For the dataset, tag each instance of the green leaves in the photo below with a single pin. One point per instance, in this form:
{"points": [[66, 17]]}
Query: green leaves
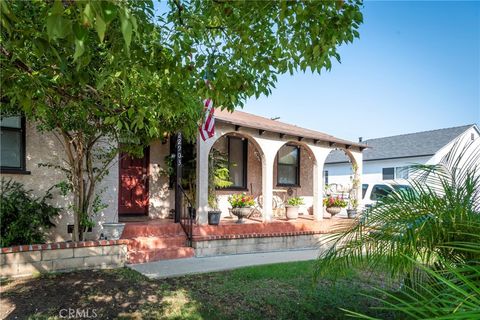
{"points": [[58, 27], [126, 27], [101, 27], [80, 35]]}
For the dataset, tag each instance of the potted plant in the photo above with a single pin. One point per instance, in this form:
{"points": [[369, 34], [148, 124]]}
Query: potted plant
{"points": [[218, 177], [241, 205], [214, 213], [293, 204], [113, 230], [352, 210], [334, 204]]}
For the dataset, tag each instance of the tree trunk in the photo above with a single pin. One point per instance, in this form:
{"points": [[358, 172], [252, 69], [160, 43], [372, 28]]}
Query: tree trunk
{"points": [[74, 147]]}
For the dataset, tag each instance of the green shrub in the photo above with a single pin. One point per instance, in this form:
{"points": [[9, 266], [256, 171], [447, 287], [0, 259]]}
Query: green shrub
{"points": [[24, 218]]}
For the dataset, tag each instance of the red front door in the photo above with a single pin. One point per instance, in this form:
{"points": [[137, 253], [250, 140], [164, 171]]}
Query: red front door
{"points": [[133, 193]]}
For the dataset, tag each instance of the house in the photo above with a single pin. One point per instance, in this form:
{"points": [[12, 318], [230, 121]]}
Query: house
{"points": [[389, 158], [267, 159]]}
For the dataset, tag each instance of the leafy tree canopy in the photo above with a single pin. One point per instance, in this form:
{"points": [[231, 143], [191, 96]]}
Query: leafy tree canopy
{"points": [[121, 63]]}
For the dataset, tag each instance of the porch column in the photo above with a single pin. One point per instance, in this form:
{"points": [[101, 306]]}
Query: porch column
{"points": [[267, 186], [269, 148], [203, 150], [321, 154], [358, 156], [318, 191]]}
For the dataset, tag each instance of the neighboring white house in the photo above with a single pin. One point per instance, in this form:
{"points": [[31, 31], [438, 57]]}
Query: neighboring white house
{"points": [[389, 158]]}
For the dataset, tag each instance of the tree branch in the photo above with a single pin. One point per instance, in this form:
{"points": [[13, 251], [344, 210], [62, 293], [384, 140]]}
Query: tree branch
{"points": [[179, 9], [17, 62]]}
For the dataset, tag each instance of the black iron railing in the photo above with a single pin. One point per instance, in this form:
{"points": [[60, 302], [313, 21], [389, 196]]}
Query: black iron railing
{"points": [[188, 214]]}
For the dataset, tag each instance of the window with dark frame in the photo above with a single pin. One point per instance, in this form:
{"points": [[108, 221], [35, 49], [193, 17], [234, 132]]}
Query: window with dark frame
{"points": [[12, 144], [325, 174], [237, 162], [288, 166], [388, 173]]}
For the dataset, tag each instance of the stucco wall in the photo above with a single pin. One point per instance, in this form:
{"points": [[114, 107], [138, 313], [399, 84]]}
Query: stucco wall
{"points": [[44, 148]]}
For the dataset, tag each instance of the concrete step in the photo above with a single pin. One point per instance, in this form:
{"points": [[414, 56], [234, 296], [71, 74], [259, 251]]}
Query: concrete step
{"points": [[154, 242], [142, 256]]}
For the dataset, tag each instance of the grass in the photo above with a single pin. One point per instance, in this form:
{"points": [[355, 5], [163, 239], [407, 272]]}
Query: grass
{"points": [[278, 291]]}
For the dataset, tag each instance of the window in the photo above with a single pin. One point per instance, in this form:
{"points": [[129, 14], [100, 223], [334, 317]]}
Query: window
{"points": [[396, 173], [402, 172], [379, 191], [12, 153], [388, 173], [364, 190], [237, 162], [288, 166], [325, 174]]}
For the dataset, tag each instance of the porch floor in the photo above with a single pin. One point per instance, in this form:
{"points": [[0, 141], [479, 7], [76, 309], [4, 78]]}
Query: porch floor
{"points": [[255, 227], [229, 228]]}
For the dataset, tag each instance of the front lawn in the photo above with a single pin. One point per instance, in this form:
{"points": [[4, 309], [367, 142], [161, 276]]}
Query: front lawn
{"points": [[279, 291]]}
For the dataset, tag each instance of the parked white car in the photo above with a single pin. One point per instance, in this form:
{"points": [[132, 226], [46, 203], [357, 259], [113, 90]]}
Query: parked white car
{"points": [[372, 192]]}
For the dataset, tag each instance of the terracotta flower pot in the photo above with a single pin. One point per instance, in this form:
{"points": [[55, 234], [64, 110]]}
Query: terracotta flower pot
{"points": [[241, 213], [334, 210]]}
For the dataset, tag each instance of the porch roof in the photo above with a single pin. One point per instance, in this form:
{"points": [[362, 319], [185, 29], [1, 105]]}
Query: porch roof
{"points": [[248, 120]]}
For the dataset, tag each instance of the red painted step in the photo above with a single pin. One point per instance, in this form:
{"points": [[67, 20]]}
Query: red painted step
{"points": [[139, 229], [143, 256], [153, 241]]}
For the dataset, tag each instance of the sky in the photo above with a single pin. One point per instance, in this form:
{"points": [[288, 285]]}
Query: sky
{"points": [[416, 67]]}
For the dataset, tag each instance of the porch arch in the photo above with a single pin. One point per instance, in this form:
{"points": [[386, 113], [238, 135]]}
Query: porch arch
{"points": [[203, 151], [353, 185], [304, 182]]}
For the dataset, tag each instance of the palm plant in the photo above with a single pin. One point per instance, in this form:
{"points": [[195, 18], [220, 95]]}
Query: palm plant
{"points": [[427, 236], [451, 292]]}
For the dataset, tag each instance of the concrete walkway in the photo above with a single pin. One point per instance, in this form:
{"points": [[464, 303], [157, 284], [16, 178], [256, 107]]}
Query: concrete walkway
{"points": [[181, 267]]}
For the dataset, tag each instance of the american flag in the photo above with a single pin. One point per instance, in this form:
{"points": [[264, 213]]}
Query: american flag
{"points": [[207, 128]]}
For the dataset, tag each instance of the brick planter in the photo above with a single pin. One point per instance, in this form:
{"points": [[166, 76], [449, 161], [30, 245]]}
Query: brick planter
{"points": [[27, 260]]}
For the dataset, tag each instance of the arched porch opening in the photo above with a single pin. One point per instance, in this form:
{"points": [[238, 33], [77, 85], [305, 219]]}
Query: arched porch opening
{"points": [[293, 176], [236, 159], [342, 181]]}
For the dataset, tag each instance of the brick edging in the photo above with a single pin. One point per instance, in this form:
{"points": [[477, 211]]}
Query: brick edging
{"points": [[257, 235], [64, 245]]}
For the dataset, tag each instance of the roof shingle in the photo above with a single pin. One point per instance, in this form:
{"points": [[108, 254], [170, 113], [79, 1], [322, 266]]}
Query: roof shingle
{"points": [[249, 120], [416, 144]]}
